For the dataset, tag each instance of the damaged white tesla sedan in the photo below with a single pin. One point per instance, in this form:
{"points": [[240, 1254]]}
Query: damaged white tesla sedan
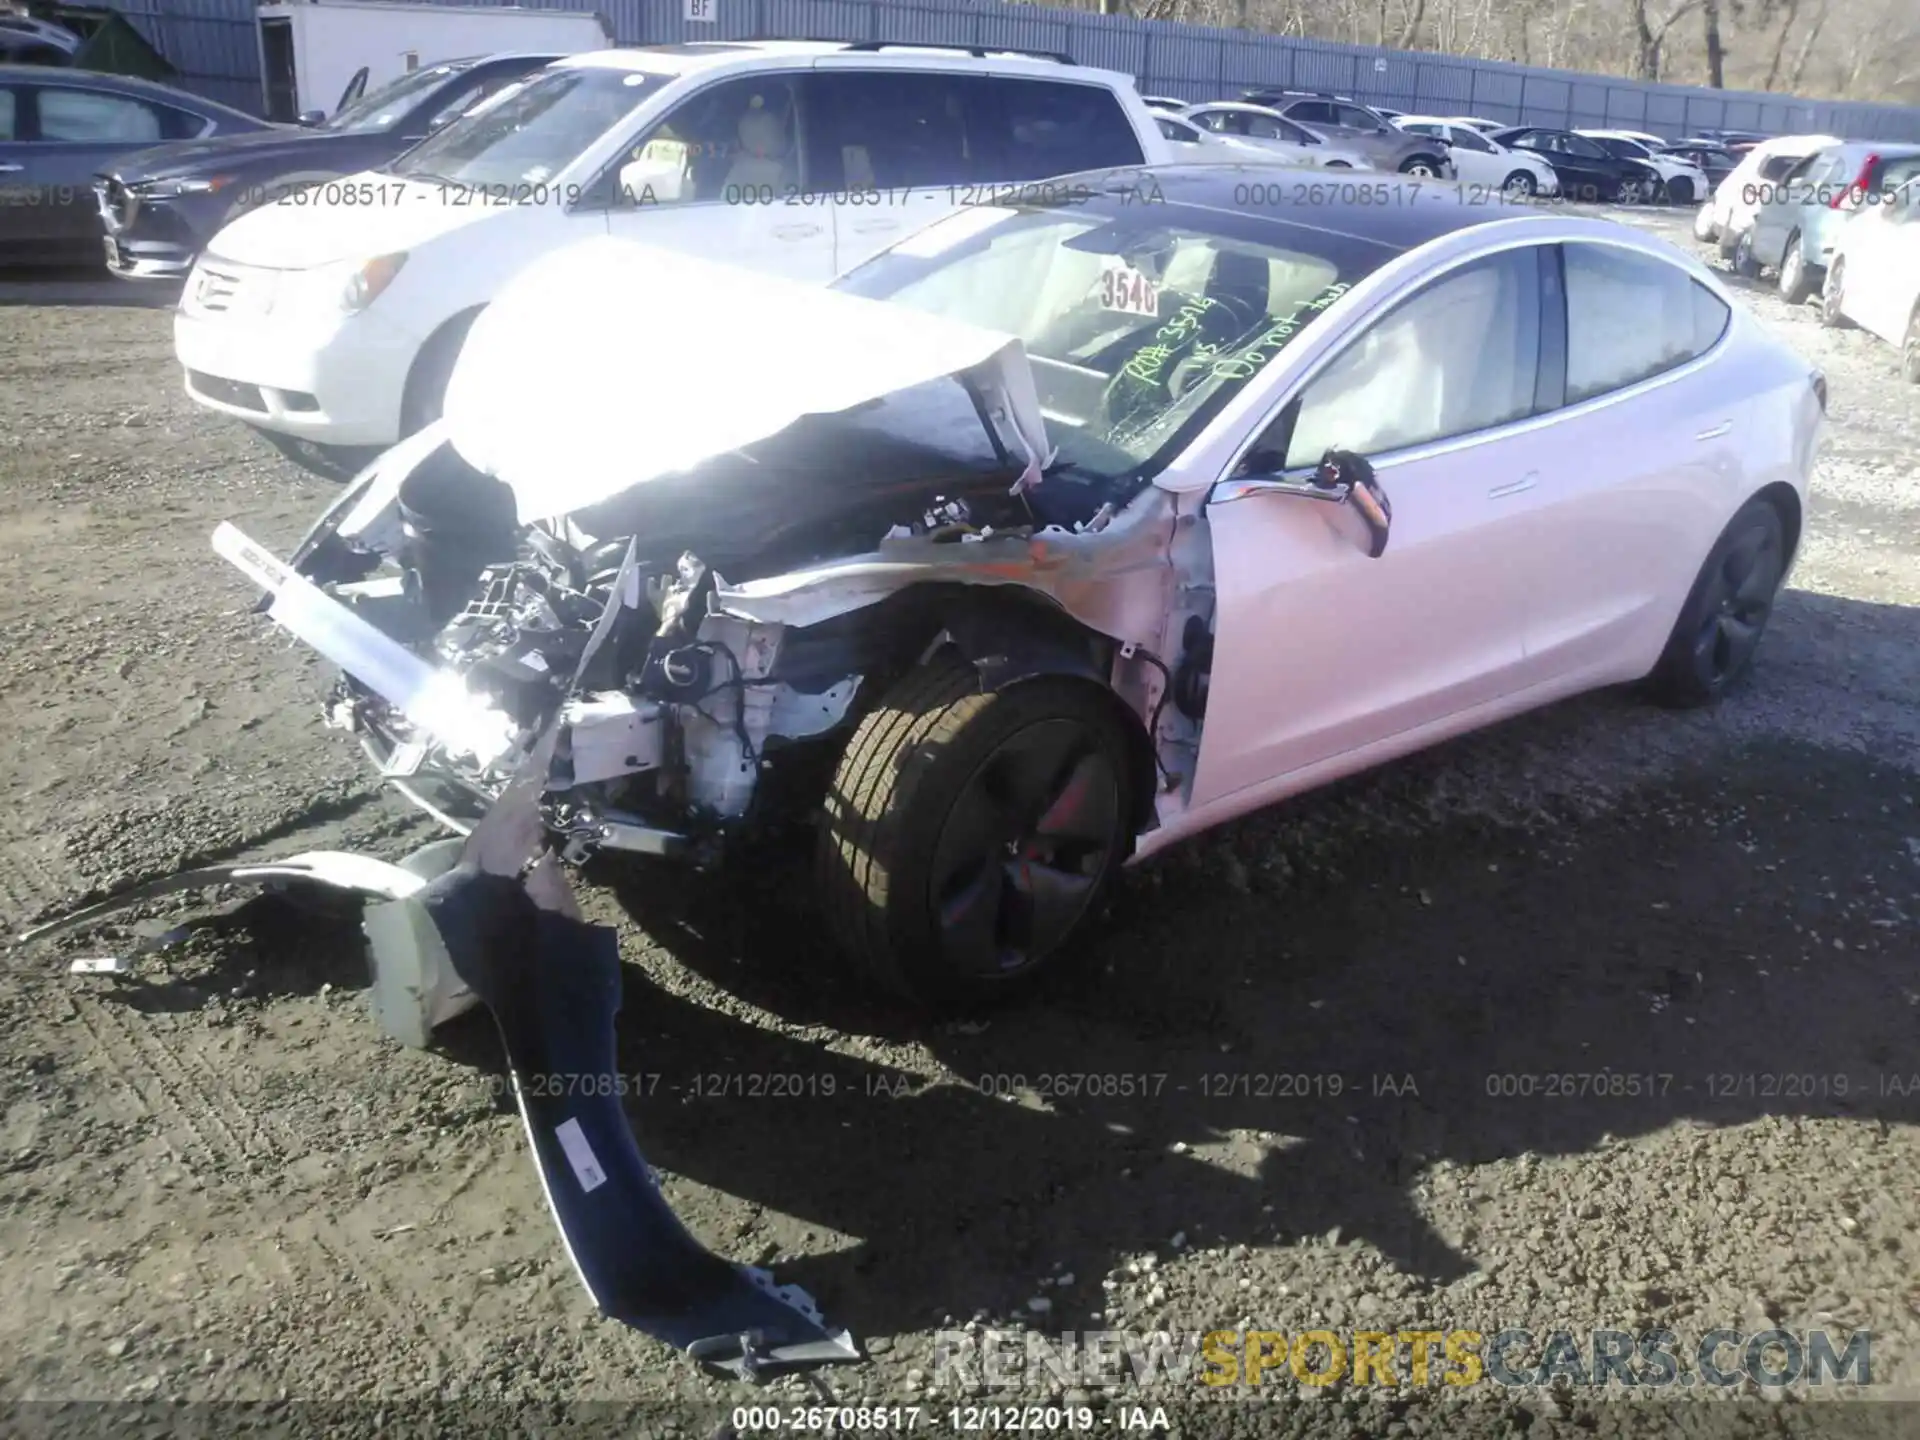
{"points": [[1053, 535]]}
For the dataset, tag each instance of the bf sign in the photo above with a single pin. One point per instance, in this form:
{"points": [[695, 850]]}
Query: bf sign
{"points": [[701, 11]]}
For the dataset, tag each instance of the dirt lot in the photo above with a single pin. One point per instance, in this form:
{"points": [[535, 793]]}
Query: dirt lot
{"points": [[219, 1183]]}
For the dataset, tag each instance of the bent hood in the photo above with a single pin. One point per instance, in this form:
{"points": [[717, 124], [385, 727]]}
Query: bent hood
{"points": [[610, 363]]}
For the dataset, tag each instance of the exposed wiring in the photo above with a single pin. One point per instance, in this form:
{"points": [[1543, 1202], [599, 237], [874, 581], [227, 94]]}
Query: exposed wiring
{"points": [[1153, 721]]}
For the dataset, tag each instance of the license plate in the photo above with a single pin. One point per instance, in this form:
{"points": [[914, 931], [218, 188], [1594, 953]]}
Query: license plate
{"points": [[113, 252]]}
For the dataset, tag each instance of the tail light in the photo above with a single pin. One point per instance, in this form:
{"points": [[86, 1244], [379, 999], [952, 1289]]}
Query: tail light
{"points": [[1851, 197], [1820, 390]]}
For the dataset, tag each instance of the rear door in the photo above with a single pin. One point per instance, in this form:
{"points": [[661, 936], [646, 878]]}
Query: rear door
{"points": [[895, 148], [900, 148], [1813, 181], [1645, 434]]}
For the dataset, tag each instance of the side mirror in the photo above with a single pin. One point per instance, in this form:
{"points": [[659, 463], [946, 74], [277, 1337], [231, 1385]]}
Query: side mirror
{"points": [[1343, 478], [310, 118], [652, 180]]}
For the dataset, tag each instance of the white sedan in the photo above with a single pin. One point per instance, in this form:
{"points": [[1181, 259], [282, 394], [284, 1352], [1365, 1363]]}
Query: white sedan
{"points": [[1275, 133], [1873, 279], [1054, 535], [1485, 164]]}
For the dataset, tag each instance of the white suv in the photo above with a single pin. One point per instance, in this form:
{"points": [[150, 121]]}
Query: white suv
{"points": [[333, 316]]}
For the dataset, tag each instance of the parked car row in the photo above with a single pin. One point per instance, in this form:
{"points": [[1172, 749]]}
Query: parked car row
{"points": [[1829, 218], [1619, 165]]}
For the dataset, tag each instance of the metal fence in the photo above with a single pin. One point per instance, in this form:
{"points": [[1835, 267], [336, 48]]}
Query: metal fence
{"points": [[213, 44]]}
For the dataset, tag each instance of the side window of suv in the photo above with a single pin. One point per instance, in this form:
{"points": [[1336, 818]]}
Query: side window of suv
{"points": [[1354, 118], [735, 141], [1047, 127], [890, 129], [1311, 112]]}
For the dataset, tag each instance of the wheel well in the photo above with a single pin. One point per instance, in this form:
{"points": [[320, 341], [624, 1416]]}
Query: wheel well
{"points": [[451, 332], [1786, 502], [1011, 635]]}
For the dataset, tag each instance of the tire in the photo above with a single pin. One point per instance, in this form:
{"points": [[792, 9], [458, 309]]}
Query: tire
{"points": [[1796, 277], [940, 792], [1519, 185], [1421, 167], [1720, 627], [1910, 349], [426, 391], [1831, 297], [1679, 192], [1744, 264]]}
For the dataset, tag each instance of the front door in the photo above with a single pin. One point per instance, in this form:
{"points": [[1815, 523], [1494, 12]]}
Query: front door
{"points": [[724, 176], [1320, 650]]}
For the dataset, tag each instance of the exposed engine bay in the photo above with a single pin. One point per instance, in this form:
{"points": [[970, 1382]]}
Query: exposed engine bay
{"points": [[680, 662], [694, 721]]}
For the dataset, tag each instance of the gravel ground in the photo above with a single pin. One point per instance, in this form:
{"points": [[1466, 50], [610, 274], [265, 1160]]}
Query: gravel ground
{"points": [[218, 1183]]}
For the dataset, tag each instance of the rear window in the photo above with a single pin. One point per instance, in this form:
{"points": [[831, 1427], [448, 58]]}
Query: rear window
{"points": [[1060, 129], [1632, 316]]}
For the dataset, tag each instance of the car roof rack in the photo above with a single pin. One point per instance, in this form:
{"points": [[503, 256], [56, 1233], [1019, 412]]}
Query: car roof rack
{"points": [[979, 52]]}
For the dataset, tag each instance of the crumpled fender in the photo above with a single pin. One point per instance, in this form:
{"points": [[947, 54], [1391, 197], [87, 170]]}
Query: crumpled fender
{"points": [[1006, 641]]}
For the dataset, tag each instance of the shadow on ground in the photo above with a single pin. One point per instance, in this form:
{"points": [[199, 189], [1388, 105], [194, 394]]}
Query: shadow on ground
{"points": [[1314, 1014]]}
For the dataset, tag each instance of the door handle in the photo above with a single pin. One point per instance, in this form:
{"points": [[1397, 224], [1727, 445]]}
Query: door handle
{"points": [[1515, 487], [1716, 431], [795, 232], [11, 169]]}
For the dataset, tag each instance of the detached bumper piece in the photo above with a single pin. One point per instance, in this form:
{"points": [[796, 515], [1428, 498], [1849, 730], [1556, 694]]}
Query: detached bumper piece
{"points": [[552, 983]]}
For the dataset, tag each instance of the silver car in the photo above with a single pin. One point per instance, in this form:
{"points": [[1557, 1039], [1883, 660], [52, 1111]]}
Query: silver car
{"points": [[1360, 128], [1797, 219]]}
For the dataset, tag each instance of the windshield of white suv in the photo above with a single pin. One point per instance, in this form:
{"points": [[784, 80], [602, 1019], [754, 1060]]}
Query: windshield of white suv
{"points": [[1139, 323], [534, 133], [390, 104]]}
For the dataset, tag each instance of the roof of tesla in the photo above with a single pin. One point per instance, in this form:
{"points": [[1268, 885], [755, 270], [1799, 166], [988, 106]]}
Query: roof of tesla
{"points": [[1392, 210]]}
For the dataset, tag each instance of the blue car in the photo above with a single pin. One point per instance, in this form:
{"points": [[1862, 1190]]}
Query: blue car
{"points": [[57, 127]]}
